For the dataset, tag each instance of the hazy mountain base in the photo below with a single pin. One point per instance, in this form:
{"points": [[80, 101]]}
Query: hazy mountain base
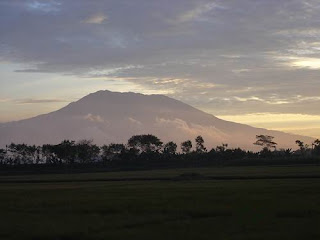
{"points": [[109, 117]]}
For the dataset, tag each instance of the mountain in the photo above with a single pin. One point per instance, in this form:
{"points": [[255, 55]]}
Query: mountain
{"points": [[107, 117]]}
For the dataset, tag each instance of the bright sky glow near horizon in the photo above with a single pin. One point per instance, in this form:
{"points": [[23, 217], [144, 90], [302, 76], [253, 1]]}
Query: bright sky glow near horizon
{"points": [[253, 62]]}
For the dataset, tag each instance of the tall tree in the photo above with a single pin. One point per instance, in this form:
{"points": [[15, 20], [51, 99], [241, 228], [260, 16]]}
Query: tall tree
{"points": [[222, 148], [2, 156], [186, 146], [48, 154], [112, 151], [65, 151], [21, 153], [316, 148], [266, 142], [170, 148], [302, 147], [145, 143], [200, 148], [87, 151]]}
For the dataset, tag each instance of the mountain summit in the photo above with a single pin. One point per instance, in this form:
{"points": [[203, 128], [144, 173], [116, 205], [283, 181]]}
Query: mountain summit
{"points": [[107, 117]]}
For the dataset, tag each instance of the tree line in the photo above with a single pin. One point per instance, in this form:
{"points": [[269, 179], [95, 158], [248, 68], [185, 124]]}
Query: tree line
{"points": [[145, 147]]}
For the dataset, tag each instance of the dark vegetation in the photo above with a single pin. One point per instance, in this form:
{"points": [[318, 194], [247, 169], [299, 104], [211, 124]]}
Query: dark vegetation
{"points": [[175, 195], [148, 152], [198, 209]]}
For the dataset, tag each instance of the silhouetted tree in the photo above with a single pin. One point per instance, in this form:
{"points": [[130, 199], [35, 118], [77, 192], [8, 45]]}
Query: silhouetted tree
{"points": [[49, 155], [129, 154], [21, 153], [238, 153], [144, 147], [303, 148], [87, 151], [112, 151], [200, 148], [316, 147], [265, 141], [222, 148], [170, 148], [65, 151], [284, 152], [186, 146], [33, 153], [301, 145], [265, 153], [2, 156], [145, 143]]}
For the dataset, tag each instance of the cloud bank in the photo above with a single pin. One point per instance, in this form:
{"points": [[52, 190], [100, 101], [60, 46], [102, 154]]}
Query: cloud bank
{"points": [[226, 57]]}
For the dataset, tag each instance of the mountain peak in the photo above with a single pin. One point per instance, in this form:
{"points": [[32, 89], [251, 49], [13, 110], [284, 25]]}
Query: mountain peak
{"points": [[129, 101], [107, 94]]}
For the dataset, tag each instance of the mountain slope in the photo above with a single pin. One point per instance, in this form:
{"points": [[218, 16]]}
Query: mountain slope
{"points": [[108, 117]]}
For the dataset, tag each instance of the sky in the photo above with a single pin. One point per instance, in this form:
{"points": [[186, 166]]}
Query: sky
{"points": [[249, 61]]}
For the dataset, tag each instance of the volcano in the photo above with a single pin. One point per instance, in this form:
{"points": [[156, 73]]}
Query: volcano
{"points": [[113, 117]]}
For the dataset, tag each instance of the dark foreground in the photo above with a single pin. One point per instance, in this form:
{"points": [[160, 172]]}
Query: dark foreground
{"points": [[189, 207]]}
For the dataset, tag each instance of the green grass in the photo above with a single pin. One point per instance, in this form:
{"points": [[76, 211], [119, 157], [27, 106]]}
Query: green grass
{"points": [[230, 209]]}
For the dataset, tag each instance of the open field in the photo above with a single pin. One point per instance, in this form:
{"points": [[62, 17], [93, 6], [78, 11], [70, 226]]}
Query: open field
{"points": [[184, 209], [165, 174]]}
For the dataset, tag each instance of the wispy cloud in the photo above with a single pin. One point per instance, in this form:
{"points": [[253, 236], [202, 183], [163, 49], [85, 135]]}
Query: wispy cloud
{"points": [[36, 101], [94, 118], [43, 6], [198, 12], [4, 100], [96, 18]]}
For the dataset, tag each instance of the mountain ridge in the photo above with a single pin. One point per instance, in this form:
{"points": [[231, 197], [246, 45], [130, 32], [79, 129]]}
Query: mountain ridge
{"points": [[106, 117]]}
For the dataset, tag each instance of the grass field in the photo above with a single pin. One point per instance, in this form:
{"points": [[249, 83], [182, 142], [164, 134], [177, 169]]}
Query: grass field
{"points": [[246, 171], [196, 209]]}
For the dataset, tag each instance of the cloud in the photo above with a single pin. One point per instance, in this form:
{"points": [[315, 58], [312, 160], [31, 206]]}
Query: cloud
{"points": [[132, 120], [197, 12], [311, 63], [302, 124], [43, 6], [222, 56], [94, 118], [111, 71], [36, 101], [272, 118], [192, 129], [273, 100], [96, 18], [4, 100], [30, 70]]}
